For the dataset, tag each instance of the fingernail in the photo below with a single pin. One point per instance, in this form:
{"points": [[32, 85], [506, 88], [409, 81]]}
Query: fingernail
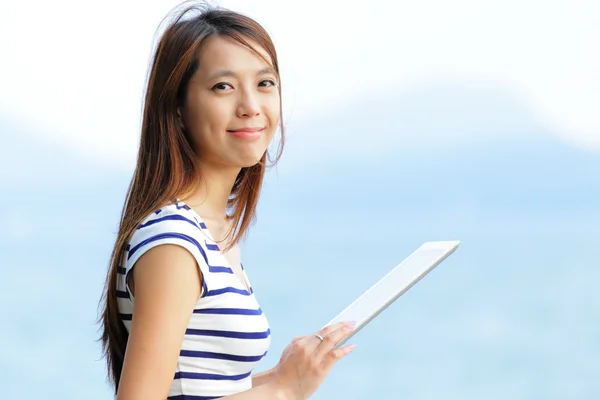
{"points": [[351, 324], [350, 347]]}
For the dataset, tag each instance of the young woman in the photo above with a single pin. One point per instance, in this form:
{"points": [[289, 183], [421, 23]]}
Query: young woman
{"points": [[180, 319]]}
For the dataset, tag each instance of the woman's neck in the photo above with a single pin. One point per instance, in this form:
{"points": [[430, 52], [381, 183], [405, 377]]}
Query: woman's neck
{"points": [[212, 192]]}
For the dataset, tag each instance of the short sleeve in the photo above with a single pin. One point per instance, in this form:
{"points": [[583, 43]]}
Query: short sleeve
{"points": [[168, 226]]}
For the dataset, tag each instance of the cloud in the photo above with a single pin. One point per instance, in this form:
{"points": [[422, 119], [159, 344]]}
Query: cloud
{"points": [[83, 85], [433, 119]]}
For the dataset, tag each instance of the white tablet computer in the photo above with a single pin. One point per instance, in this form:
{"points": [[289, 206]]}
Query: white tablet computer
{"points": [[395, 283]]}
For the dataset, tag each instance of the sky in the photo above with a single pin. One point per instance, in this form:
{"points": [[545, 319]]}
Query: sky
{"points": [[406, 123], [83, 69]]}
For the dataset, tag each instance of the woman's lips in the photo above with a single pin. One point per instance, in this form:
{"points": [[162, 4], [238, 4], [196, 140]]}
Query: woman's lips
{"points": [[252, 133]]}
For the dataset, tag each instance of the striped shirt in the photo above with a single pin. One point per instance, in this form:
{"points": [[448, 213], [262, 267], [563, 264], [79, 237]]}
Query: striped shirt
{"points": [[227, 334]]}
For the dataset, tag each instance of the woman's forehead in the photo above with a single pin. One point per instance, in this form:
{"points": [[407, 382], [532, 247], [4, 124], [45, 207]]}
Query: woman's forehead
{"points": [[224, 53]]}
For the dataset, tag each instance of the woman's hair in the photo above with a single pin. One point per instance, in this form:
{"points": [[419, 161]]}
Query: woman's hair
{"points": [[167, 165]]}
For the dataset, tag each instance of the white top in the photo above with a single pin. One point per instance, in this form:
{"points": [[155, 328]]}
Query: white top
{"points": [[227, 334]]}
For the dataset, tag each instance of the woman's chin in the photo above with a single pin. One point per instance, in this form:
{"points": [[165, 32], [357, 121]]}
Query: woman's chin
{"points": [[247, 160], [248, 164], [250, 158]]}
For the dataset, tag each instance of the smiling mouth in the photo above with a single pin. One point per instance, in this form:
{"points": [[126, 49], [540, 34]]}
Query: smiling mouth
{"points": [[249, 133]]}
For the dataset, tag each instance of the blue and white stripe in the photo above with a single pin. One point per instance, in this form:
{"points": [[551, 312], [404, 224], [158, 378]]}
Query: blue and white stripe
{"points": [[227, 334]]}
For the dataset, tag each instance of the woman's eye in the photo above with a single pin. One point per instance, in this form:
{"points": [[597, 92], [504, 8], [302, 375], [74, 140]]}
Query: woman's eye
{"points": [[221, 86], [269, 82]]}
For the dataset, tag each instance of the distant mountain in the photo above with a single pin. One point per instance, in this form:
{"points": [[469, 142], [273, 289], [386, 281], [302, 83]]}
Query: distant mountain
{"points": [[439, 145], [446, 143]]}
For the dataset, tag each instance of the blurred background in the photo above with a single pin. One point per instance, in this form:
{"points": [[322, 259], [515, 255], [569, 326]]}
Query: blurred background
{"points": [[406, 122]]}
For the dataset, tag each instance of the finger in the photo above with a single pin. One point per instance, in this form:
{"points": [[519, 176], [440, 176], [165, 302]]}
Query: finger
{"points": [[308, 342], [297, 338], [334, 327], [331, 340], [335, 355], [328, 330], [313, 341]]}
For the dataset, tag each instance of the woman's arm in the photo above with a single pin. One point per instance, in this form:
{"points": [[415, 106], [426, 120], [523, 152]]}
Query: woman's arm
{"points": [[261, 378], [167, 286]]}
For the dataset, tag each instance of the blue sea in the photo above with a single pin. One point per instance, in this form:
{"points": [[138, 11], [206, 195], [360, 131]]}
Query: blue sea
{"points": [[512, 314]]}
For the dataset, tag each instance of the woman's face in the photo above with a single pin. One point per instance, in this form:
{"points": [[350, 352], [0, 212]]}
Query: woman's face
{"points": [[231, 109]]}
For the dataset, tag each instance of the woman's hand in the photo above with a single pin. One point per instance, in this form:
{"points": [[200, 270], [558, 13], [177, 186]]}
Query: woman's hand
{"points": [[306, 361]]}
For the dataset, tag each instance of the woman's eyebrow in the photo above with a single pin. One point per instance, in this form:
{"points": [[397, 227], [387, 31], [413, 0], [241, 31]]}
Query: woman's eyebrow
{"points": [[228, 73]]}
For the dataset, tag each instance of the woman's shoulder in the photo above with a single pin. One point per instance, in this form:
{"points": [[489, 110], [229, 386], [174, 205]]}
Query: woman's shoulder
{"points": [[173, 214], [171, 224], [172, 219]]}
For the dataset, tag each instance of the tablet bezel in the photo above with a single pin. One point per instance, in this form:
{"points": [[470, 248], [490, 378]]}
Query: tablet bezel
{"points": [[448, 247]]}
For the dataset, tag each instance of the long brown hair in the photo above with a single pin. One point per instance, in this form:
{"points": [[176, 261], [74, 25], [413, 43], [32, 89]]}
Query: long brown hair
{"points": [[167, 166]]}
